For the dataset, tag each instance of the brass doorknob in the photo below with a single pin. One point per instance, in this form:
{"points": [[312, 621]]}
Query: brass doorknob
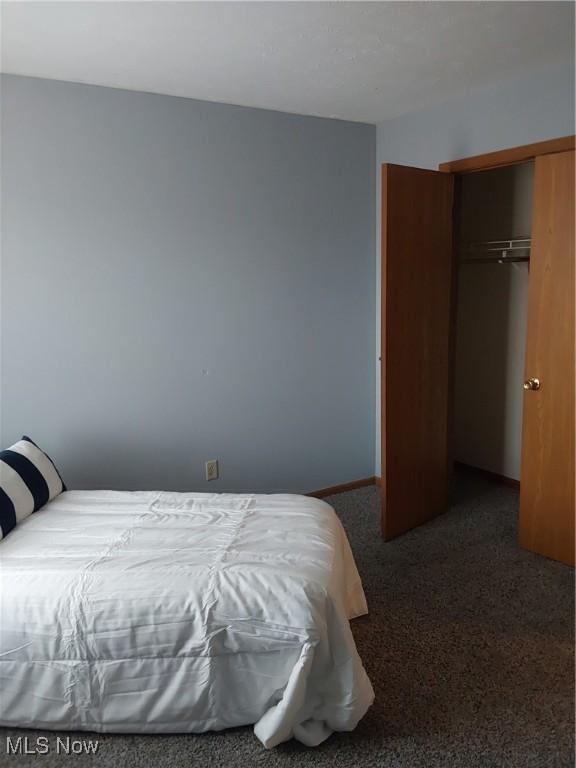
{"points": [[532, 384]]}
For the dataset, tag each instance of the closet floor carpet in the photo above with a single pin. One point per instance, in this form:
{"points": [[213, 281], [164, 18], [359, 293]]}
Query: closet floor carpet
{"points": [[469, 645]]}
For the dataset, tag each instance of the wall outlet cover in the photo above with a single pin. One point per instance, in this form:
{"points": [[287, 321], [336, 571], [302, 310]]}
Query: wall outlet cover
{"points": [[212, 469]]}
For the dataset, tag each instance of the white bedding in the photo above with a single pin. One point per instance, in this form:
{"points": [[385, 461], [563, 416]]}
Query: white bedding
{"points": [[167, 612]]}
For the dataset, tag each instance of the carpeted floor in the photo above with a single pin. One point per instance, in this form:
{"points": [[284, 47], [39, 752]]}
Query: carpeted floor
{"points": [[469, 645]]}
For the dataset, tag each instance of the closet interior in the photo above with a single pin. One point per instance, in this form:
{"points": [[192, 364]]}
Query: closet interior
{"points": [[493, 225], [481, 371]]}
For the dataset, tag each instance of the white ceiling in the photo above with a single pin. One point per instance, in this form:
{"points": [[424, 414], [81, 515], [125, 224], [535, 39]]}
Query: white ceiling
{"points": [[365, 61]]}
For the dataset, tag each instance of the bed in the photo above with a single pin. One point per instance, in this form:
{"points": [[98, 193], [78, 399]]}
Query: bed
{"points": [[161, 612]]}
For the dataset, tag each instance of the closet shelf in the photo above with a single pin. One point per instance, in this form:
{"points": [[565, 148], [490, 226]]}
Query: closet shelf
{"points": [[497, 251]]}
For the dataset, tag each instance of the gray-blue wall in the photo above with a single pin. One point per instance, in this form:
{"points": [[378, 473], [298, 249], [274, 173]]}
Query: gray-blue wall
{"points": [[185, 281], [534, 107]]}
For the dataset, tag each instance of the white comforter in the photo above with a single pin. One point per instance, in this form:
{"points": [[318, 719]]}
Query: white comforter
{"points": [[166, 612]]}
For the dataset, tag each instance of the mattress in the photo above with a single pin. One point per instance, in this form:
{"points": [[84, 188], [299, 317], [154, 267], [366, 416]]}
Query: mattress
{"points": [[160, 612]]}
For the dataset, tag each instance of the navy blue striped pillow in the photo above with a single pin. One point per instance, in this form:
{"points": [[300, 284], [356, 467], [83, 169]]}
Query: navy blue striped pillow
{"points": [[28, 480]]}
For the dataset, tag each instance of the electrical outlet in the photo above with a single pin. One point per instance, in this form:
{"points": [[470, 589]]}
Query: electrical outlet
{"points": [[212, 469]]}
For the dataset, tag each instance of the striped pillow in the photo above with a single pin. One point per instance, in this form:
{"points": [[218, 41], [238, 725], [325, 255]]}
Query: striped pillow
{"points": [[28, 479]]}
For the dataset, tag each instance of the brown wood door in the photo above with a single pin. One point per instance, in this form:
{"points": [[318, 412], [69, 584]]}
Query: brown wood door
{"points": [[417, 270], [547, 480]]}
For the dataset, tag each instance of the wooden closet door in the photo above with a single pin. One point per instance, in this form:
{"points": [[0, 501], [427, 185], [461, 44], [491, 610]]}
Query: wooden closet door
{"points": [[416, 341], [547, 481]]}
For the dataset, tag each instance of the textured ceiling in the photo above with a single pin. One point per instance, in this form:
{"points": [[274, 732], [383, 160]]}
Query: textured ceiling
{"points": [[350, 60]]}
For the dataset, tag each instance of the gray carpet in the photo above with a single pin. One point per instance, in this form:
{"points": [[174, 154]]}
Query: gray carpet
{"points": [[469, 645]]}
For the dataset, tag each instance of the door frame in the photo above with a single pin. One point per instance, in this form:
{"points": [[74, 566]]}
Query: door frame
{"points": [[496, 159], [511, 156], [491, 160]]}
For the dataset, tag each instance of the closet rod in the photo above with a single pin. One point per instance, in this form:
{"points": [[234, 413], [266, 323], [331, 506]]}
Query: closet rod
{"points": [[495, 259], [515, 249]]}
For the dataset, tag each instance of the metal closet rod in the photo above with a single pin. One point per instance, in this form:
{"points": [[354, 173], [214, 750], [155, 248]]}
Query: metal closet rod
{"points": [[513, 250]]}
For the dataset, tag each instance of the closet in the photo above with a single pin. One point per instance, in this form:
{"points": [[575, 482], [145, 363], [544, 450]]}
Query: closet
{"points": [[493, 226], [477, 361]]}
